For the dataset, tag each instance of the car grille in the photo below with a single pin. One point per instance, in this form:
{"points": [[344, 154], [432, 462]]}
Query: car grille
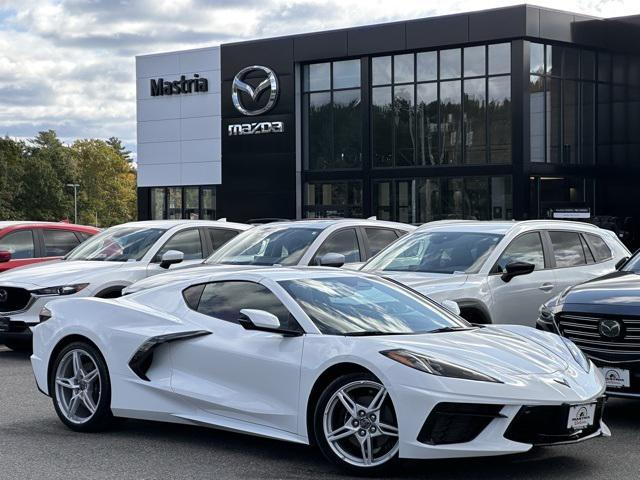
{"points": [[545, 425], [457, 422], [13, 299], [586, 332]]}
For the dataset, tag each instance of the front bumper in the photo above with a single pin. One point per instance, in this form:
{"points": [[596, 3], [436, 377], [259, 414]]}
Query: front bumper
{"points": [[415, 401], [14, 331]]}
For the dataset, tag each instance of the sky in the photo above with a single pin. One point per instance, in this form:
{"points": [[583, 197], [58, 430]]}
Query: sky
{"points": [[68, 65]]}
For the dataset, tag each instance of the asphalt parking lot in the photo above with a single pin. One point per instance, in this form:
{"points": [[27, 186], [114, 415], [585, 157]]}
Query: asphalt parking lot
{"points": [[35, 445]]}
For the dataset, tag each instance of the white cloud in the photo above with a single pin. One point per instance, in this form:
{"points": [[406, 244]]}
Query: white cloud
{"points": [[68, 64]]}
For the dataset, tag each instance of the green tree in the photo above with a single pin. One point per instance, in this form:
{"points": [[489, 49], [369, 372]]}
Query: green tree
{"points": [[107, 184], [47, 168], [11, 173], [116, 144]]}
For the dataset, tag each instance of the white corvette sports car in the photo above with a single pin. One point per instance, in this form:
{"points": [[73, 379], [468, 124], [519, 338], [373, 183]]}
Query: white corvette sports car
{"points": [[366, 369]]}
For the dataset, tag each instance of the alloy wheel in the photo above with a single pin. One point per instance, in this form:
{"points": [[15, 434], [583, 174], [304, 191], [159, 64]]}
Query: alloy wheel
{"points": [[360, 424], [78, 386]]}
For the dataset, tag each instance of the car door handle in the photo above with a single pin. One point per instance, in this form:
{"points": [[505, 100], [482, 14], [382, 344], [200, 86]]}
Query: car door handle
{"points": [[546, 287]]}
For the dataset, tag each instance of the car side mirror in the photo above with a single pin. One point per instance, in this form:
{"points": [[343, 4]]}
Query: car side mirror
{"points": [[331, 260], [515, 269], [621, 263], [452, 306], [171, 257], [263, 321], [5, 256]]}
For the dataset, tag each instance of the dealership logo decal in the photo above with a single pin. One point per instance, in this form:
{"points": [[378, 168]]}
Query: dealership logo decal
{"points": [[610, 328], [196, 84], [256, 128], [269, 83]]}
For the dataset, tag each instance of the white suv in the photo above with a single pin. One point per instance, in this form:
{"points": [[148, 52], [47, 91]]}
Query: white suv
{"points": [[318, 242], [499, 272], [102, 266]]}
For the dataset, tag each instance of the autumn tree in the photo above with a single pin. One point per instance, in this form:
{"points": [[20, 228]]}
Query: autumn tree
{"points": [[107, 184]]}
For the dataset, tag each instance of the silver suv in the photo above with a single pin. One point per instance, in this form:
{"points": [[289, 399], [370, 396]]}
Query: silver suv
{"points": [[499, 272]]}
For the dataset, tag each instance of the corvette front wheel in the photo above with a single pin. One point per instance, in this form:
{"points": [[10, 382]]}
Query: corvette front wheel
{"points": [[356, 425], [80, 388]]}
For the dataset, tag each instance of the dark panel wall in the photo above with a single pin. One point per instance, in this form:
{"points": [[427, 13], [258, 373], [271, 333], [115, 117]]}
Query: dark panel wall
{"points": [[258, 171]]}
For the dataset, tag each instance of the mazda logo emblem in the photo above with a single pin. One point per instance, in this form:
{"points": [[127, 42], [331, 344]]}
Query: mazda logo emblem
{"points": [[610, 328], [4, 295], [269, 83]]}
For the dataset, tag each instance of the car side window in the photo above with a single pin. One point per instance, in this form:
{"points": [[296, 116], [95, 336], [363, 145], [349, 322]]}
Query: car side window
{"points": [[220, 236], [599, 247], [224, 300], [57, 243], [526, 248], [379, 238], [567, 249], [587, 250], [344, 242], [187, 242], [19, 243]]}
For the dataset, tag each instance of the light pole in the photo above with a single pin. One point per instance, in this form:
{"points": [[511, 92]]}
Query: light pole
{"points": [[75, 200]]}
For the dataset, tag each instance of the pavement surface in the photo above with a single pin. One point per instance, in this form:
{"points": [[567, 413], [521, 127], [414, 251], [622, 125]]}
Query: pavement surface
{"points": [[35, 445]]}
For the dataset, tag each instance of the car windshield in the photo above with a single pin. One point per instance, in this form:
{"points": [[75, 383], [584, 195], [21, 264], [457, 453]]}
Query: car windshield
{"points": [[437, 252], [364, 306], [633, 265], [266, 246], [119, 244]]}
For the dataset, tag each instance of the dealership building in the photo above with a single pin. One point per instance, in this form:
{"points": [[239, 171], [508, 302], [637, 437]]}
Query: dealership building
{"points": [[519, 112]]}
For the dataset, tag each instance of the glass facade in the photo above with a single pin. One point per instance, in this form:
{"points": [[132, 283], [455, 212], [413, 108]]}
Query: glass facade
{"points": [[424, 110], [447, 107], [562, 89], [192, 203], [419, 200], [333, 199], [333, 116]]}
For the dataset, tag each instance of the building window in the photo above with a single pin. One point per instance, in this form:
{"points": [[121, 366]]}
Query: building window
{"points": [[174, 198], [158, 203], [191, 203], [332, 116], [447, 107], [333, 199], [562, 100], [209, 203], [420, 200]]}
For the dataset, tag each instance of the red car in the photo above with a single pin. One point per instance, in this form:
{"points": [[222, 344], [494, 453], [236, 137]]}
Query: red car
{"points": [[24, 243]]}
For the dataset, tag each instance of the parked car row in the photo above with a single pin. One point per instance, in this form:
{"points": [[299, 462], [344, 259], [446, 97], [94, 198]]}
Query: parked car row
{"points": [[371, 362]]}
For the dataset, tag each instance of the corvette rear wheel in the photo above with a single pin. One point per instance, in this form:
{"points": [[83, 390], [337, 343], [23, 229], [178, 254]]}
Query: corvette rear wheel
{"points": [[81, 389], [356, 425]]}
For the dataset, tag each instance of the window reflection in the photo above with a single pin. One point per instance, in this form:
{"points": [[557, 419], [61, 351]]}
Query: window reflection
{"points": [[333, 199], [405, 125], [421, 200], [450, 114], [475, 121], [500, 119], [427, 128], [450, 63]]}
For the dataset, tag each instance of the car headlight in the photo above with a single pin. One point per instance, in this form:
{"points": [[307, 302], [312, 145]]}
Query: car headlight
{"points": [[578, 355], [436, 367], [545, 314], [62, 290]]}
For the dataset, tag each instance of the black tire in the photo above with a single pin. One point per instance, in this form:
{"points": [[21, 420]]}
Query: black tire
{"points": [[102, 418], [319, 426], [22, 346]]}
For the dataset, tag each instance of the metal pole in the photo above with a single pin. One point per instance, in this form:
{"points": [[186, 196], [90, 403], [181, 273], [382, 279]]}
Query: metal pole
{"points": [[75, 200]]}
